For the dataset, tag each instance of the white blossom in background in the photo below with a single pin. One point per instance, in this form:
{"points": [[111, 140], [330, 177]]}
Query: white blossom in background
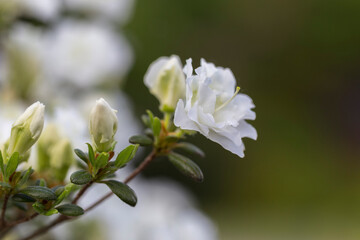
{"points": [[87, 54], [213, 107], [44, 10], [165, 211], [29, 43], [117, 10]]}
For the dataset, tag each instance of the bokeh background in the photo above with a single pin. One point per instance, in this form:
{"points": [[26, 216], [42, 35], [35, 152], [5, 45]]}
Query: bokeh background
{"points": [[300, 62]]}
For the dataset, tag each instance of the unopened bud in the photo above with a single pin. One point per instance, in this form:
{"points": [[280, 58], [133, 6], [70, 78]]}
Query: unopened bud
{"points": [[103, 126]]}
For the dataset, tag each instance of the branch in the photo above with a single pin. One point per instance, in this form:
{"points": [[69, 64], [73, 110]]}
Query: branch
{"points": [[3, 222], [63, 218]]}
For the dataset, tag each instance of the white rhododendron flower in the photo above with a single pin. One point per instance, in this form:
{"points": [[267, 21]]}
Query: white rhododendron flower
{"points": [[103, 125], [213, 107], [166, 81], [87, 54]]}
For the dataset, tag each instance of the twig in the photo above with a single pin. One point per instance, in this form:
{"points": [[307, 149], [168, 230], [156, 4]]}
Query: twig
{"points": [[63, 218], [6, 199], [13, 224]]}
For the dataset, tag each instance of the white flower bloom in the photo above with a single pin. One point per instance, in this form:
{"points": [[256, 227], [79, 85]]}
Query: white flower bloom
{"points": [[214, 109], [103, 125], [119, 10], [87, 54], [169, 213], [40, 9], [22, 59], [166, 81], [27, 129]]}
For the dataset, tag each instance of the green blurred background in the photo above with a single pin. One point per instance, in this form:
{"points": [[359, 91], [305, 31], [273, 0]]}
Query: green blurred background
{"points": [[300, 62]]}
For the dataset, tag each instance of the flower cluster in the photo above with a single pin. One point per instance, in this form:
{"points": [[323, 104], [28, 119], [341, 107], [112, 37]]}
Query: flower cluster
{"points": [[212, 105], [207, 102]]}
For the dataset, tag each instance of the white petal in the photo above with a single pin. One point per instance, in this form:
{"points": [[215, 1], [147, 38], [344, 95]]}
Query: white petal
{"points": [[227, 143], [188, 69], [182, 120]]}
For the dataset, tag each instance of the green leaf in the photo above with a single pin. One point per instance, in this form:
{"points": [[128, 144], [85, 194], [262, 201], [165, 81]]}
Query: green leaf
{"points": [[41, 182], [151, 116], [20, 197], [70, 210], [186, 166], [156, 126], [68, 189], [25, 177], [80, 177], [12, 165], [58, 190], [141, 140], [39, 192], [101, 161], [39, 208], [91, 154], [83, 156], [146, 120], [123, 191], [51, 212], [190, 148], [2, 164], [126, 155]]}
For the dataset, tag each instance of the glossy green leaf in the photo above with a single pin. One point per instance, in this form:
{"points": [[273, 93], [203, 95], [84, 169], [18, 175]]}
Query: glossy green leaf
{"points": [[91, 154], [101, 161], [70, 210], [68, 189], [2, 169], [39, 192], [25, 177], [156, 126], [12, 165], [190, 148], [80, 177], [83, 156], [123, 191], [141, 140], [126, 155], [20, 197], [186, 166]]}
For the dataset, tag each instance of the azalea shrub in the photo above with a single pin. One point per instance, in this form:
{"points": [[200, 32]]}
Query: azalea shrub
{"points": [[205, 100]]}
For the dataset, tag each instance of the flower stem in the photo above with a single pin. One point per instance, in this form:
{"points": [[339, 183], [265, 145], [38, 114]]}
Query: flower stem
{"points": [[63, 218]]}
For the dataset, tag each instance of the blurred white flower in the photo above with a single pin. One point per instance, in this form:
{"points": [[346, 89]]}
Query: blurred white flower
{"points": [[166, 80], [22, 59], [165, 211], [87, 54], [214, 109], [118, 10], [41, 9]]}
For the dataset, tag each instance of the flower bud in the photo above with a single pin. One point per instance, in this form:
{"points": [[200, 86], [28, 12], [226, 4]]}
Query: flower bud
{"points": [[61, 158], [27, 129], [166, 81], [48, 139], [103, 126]]}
